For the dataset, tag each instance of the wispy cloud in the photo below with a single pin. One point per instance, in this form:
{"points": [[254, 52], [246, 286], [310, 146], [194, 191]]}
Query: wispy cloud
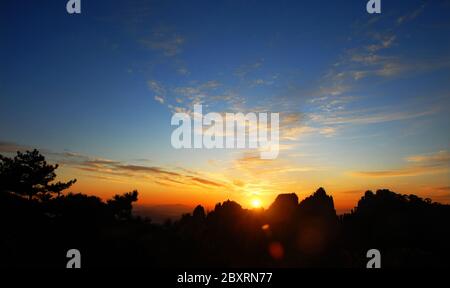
{"points": [[182, 98], [245, 69], [119, 171], [156, 173], [330, 106], [252, 164], [165, 41], [158, 90], [411, 15], [384, 42], [370, 116], [156, 87], [431, 163], [207, 182], [183, 71], [442, 156], [266, 81], [159, 99], [407, 171], [12, 147], [145, 169]]}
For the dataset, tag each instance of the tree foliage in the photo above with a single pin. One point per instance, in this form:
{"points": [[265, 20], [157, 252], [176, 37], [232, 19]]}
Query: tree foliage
{"points": [[28, 174]]}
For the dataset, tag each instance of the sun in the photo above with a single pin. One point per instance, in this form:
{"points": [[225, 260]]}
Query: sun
{"points": [[256, 203]]}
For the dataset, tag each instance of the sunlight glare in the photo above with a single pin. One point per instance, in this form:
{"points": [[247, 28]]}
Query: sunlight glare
{"points": [[256, 203]]}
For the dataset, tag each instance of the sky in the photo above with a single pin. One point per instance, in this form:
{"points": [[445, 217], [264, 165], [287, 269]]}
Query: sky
{"points": [[363, 98]]}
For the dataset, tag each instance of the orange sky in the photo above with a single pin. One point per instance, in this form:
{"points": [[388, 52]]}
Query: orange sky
{"points": [[248, 178]]}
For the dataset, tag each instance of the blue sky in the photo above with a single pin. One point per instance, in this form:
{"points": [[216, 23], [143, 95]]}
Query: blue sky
{"points": [[359, 95]]}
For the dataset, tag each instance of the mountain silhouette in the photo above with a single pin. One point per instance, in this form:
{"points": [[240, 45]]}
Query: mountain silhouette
{"points": [[38, 226], [283, 208]]}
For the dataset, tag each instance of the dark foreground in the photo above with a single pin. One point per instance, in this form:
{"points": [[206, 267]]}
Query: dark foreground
{"points": [[38, 230]]}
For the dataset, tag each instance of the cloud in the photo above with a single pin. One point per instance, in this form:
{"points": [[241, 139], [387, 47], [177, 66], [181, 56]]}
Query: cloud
{"points": [[211, 93], [107, 178], [156, 87], [159, 99], [170, 44], [408, 171], [335, 89], [293, 126], [370, 116], [72, 159], [207, 182], [267, 81], [11, 147], [259, 82], [93, 164], [294, 133], [177, 176], [368, 59], [389, 69], [370, 64], [328, 131], [72, 154], [146, 169], [384, 42], [431, 163], [245, 69], [183, 71], [239, 183], [442, 156], [172, 180], [212, 84], [119, 168], [254, 167], [411, 16], [100, 162]]}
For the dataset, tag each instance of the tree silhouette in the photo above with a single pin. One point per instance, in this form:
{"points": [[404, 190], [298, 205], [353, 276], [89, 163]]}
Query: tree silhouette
{"points": [[28, 174], [408, 230], [199, 213], [121, 205]]}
